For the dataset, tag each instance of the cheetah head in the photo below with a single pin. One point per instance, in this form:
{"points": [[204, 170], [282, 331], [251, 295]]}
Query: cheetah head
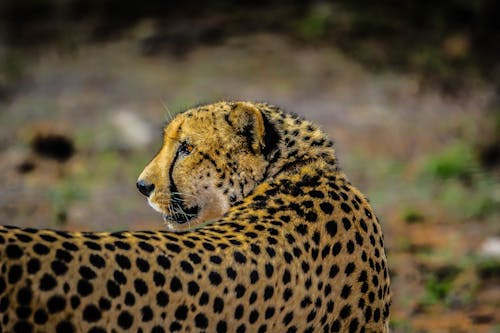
{"points": [[212, 156]]}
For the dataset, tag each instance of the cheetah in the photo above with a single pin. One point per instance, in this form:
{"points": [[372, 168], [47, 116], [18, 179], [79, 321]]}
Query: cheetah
{"points": [[269, 236]]}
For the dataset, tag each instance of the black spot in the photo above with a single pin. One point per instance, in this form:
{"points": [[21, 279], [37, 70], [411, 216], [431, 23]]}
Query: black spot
{"points": [[158, 279], [87, 273], [346, 291], [268, 292], [23, 312], [122, 245], [204, 298], [350, 246], [146, 247], [181, 312], [221, 327], [193, 288], [120, 277], [208, 246], [333, 271], [359, 239], [24, 295], [254, 277], [287, 294], [201, 321], [345, 311], [288, 318], [240, 290], [147, 313], [349, 268], [186, 267], [255, 248], [345, 207], [97, 330], [65, 327], [239, 257], [376, 315], [175, 284], [84, 287], [48, 238], [269, 270], [104, 303], [175, 327], [40, 317], [311, 217], [63, 255], [231, 273], [326, 207], [195, 259], [163, 261], [75, 302], [216, 259], [346, 223], [47, 282], [70, 246], [113, 289], [92, 245], [97, 261], [238, 312], [58, 267], [33, 266], [174, 247], [24, 238], [218, 305], [215, 278], [331, 228], [157, 329], [142, 264], [41, 249], [254, 315], [91, 313], [140, 287], [162, 298], [125, 320], [271, 252], [15, 273], [336, 326], [123, 261], [23, 327]]}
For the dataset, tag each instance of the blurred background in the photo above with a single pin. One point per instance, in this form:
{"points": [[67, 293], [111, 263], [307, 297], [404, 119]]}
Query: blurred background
{"points": [[408, 90]]}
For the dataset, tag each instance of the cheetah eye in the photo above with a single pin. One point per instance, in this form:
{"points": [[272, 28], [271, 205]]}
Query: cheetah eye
{"points": [[185, 148]]}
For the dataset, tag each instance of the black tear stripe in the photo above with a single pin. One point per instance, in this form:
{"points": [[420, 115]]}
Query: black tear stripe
{"points": [[175, 196]]}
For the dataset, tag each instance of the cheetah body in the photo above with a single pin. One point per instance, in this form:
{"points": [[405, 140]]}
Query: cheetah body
{"points": [[291, 246]]}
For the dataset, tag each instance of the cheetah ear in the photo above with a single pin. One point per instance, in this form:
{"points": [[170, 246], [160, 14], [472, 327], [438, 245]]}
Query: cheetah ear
{"points": [[249, 123]]}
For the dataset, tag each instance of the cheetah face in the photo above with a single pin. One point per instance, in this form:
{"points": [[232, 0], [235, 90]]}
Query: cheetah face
{"points": [[211, 157]]}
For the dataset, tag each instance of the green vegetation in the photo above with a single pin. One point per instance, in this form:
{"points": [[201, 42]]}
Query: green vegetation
{"points": [[63, 195], [458, 161]]}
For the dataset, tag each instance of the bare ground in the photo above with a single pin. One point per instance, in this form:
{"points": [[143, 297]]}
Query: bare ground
{"points": [[385, 125]]}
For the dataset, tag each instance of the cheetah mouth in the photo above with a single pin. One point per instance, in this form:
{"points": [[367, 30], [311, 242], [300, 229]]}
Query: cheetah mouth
{"points": [[182, 215]]}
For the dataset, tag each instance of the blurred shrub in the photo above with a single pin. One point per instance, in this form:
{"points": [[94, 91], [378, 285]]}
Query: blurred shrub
{"points": [[314, 25], [458, 161], [438, 284]]}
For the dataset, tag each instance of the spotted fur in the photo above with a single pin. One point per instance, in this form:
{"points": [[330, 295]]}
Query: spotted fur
{"points": [[291, 245]]}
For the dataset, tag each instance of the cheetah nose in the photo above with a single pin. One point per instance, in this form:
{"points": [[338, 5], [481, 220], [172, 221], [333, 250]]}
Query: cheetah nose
{"points": [[145, 187]]}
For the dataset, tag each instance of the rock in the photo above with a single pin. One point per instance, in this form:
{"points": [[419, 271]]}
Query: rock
{"points": [[490, 248], [134, 132]]}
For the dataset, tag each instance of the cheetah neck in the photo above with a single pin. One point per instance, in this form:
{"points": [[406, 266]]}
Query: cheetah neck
{"points": [[297, 142]]}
